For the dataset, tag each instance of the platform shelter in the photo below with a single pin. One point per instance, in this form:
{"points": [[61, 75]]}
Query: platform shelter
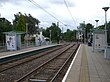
{"points": [[13, 40]]}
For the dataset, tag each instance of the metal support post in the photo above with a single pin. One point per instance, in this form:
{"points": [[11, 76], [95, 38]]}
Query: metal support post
{"points": [[27, 44]]}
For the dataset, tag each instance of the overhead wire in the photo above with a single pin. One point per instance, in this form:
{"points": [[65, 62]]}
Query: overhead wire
{"points": [[36, 4], [69, 11]]}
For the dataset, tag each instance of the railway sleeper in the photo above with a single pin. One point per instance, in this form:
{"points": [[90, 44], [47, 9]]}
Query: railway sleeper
{"points": [[36, 80]]}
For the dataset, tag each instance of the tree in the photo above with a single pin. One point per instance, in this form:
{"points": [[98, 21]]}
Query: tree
{"points": [[23, 19], [102, 27], [46, 32], [70, 35], [32, 24], [5, 26], [74, 34], [20, 24], [81, 26], [55, 32], [88, 29]]}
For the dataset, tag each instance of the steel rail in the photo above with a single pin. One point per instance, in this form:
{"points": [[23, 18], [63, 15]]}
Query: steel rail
{"points": [[28, 74], [63, 65], [42, 54], [16, 59]]}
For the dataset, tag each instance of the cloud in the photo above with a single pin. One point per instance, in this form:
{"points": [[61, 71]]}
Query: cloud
{"points": [[39, 4], [2, 2], [16, 2], [70, 3], [61, 2], [81, 10], [56, 1]]}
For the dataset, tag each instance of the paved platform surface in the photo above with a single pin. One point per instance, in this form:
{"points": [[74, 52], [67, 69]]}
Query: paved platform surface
{"points": [[10, 53], [88, 66]]}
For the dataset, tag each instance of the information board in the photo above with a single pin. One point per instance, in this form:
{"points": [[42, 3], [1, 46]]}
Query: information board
{"points": [[99, 41]]}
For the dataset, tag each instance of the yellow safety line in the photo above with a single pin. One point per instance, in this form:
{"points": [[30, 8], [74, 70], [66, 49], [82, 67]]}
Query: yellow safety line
{"points": [[84, 71]]}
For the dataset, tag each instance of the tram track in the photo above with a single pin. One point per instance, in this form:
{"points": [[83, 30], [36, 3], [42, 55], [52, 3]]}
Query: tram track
{"points": [[14, 74], [49, 71], [13, 63]]}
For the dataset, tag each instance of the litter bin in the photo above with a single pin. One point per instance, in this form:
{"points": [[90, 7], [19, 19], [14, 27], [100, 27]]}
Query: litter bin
{"points": [[89, 42]]}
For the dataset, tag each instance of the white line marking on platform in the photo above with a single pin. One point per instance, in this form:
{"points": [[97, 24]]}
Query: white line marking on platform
{"points": [[64, 79]]}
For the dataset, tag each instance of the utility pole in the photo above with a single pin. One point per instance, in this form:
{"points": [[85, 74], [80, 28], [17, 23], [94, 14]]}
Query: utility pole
{"points": [[50, 36], [27, 44], [84, 32], [58, 32]]}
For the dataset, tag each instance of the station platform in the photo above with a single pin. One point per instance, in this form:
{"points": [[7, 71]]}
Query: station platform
{"points": [[25, 50], [88, 66]]}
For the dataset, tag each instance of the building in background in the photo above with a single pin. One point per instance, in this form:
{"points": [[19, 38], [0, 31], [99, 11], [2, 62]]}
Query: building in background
{"points": [[80, 34]]}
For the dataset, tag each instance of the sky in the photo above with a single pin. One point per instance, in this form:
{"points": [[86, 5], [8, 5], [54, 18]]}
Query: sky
{"points": [[77, 12]]}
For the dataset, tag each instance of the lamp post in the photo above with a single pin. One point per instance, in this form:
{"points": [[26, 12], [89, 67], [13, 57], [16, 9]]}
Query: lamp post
{"points": [[97, 23], [105, 9]]}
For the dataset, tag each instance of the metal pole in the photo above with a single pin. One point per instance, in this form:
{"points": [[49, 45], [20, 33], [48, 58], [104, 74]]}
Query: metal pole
{"points": [[105, 9], [84, 32], [27, 35], [94, 35], [105, 29], [50, 36], [58, 32]]}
